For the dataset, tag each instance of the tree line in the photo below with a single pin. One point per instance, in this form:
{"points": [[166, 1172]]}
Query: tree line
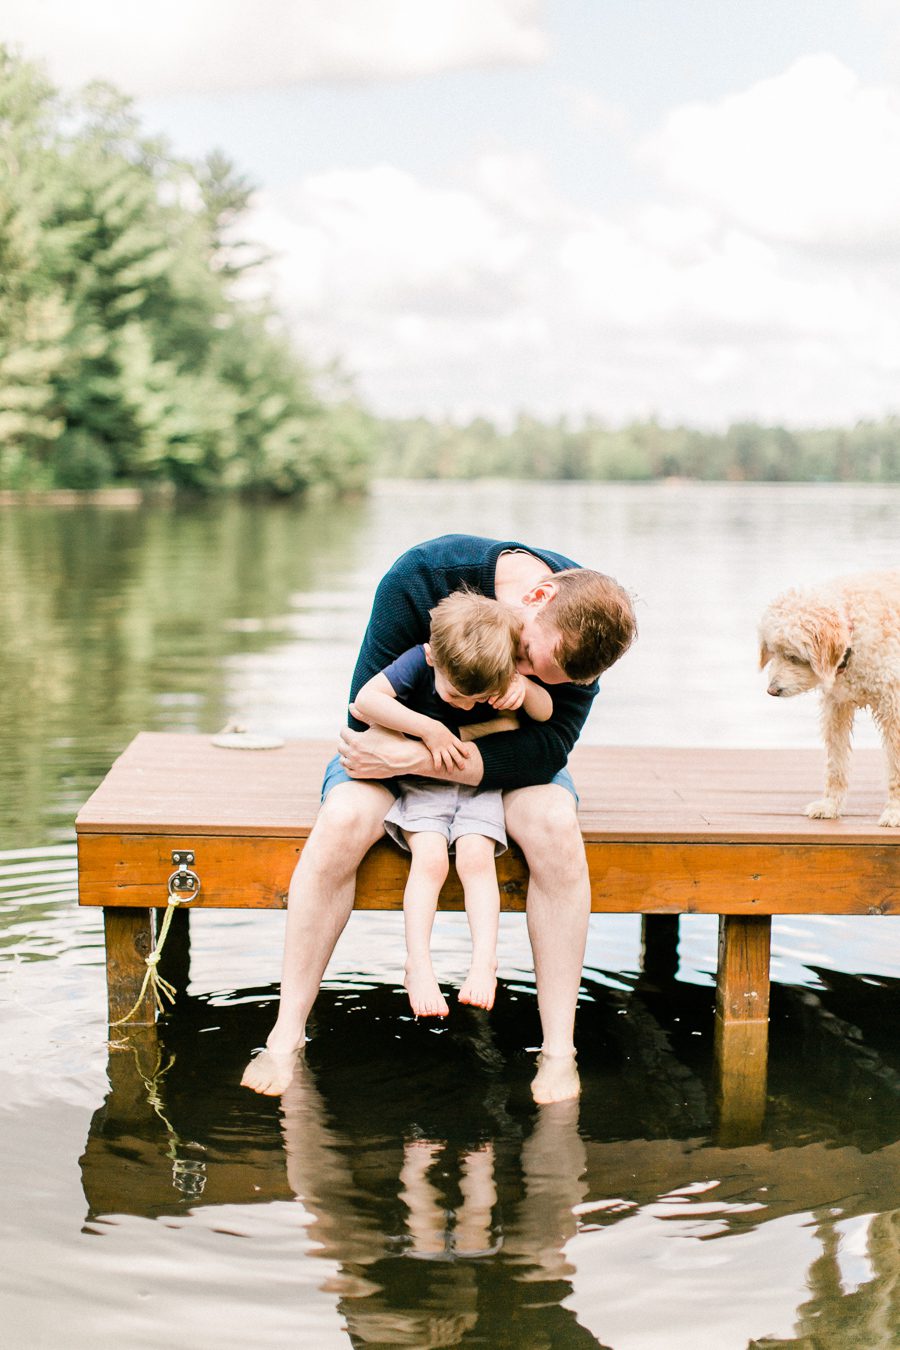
{"points": [[129, 351], [126, 353], [640, 452]]}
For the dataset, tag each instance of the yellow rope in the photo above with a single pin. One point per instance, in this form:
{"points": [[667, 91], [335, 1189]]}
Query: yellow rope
{"points": [[160, 987]]}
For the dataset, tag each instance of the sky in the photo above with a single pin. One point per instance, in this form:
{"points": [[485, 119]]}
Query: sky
{"points": [[687, 209]]}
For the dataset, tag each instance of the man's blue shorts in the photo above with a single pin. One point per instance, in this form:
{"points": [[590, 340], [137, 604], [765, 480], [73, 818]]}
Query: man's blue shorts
{"points": [[335, 773]]}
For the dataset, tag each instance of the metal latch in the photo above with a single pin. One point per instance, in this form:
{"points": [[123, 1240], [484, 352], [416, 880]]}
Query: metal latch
{"points": [[184, 883]]}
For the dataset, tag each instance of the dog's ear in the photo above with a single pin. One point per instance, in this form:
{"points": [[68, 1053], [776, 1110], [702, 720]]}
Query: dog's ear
{"points": [[829, 643], [765, 654]]}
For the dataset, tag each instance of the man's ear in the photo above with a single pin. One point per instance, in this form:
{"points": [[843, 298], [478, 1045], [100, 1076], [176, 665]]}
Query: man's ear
{"points": [[428, 657], [541, 593]]}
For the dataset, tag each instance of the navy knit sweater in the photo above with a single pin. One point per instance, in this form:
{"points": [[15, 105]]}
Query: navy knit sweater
{"points": [[400, 619]]}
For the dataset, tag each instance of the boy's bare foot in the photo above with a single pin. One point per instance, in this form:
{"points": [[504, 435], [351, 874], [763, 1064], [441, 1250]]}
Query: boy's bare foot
{"points": [[556, 1079], [424, 991], [480, 985]]}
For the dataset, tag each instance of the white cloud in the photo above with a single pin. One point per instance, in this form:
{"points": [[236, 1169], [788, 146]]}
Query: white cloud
{"points": [[497, 294], [810, 157], [175, 46]]}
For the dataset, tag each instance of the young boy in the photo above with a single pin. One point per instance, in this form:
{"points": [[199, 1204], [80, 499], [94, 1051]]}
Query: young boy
{"points": [[433, 693]]}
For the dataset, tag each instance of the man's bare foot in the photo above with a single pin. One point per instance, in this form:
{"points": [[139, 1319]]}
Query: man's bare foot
{"points": [[270, 1073], [424, 991], [556, 1079], [480, 985]]}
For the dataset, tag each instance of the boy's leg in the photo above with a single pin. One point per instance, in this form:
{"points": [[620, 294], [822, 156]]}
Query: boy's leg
{"points": [[427, 874], [478, 875], [320, 900], [544, 824]]}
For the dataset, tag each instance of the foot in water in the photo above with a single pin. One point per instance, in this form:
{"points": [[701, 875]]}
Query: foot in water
{"points": [[270, 1072], [480, 985], [425, 995], [556, 1079]]}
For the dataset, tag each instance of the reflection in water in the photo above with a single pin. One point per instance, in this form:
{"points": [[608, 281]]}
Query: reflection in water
{"points": [[407, 1151], [447, 1211]]}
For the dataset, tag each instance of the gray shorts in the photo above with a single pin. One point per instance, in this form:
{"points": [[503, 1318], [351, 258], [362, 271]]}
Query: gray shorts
{"points": [[450, 809]]}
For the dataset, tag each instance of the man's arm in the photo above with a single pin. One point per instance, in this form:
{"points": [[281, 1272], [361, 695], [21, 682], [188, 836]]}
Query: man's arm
{"points": [[379, 753], [377, 704], [540, 749]]}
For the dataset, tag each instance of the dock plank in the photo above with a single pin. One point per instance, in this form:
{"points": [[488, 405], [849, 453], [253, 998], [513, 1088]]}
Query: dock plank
{"points": [[667, 830]]}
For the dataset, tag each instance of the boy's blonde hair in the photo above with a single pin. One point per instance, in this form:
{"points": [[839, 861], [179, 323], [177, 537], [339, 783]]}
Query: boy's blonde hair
{"points": [[474, 642], [595, 620]]}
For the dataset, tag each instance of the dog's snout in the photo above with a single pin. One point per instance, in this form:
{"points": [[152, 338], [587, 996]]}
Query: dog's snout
{"points": [[775, 690]]}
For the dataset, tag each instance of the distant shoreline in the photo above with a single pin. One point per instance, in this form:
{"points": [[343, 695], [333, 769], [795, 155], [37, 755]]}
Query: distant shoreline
{"points": [[109, 496]]}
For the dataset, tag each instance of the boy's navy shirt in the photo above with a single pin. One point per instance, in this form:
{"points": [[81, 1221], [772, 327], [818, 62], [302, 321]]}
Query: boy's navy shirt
{"points": [[400, 619], [412, 680]]}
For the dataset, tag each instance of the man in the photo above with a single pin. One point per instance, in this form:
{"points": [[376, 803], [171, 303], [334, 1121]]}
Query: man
{"points": [[575, 624]]}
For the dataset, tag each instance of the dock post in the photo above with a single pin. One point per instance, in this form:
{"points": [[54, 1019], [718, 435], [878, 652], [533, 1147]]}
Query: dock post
{"points": [[659, 947], [175, 961], [742, 1023], [129, 940]]}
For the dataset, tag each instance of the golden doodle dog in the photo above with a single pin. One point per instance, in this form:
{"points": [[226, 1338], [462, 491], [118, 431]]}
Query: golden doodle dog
{"points": [[844, 639]]}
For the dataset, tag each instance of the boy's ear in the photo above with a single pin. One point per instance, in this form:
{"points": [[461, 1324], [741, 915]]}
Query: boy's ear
{"points": [[428, 657]]}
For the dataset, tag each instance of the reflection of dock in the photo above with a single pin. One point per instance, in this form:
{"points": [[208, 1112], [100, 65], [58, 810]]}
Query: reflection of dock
{"points": [[668, 832], [428, 1180]]}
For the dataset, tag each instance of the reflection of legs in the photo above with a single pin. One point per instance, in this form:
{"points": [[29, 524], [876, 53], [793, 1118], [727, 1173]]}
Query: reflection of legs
{"points": [[427, 874], [554, 1163], [427, 1221], [320, 901], [478, 875], [320, 1177], [543, 822], [479, 1196]]}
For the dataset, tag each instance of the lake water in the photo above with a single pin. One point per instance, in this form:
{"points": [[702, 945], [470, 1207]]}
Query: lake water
{"points": [[406, 1192]]}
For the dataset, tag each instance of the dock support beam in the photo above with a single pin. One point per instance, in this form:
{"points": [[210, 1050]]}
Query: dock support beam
{"points": [[742, 1023], [129, 940], [659, 947]]}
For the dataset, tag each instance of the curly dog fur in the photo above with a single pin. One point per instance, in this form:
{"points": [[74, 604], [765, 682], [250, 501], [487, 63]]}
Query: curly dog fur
{"points": [[844, 639]]}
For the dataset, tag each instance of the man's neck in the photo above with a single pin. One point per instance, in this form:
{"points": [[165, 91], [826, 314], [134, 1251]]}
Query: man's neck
{"points": [[516, 574]]}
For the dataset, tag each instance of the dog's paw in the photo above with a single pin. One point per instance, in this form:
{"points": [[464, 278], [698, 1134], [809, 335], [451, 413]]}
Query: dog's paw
{"points": [[890, 816], [826, 809]]}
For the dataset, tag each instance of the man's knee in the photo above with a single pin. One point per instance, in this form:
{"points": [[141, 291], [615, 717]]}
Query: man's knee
{"points": [[350, 820], [544, 824]]}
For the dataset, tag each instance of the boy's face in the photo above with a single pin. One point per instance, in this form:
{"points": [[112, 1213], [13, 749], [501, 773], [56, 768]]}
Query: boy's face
{"points": [[446, 692]]}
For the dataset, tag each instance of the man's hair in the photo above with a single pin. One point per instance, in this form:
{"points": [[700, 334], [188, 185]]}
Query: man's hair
{"points": [[595, 619], [474, 642]]}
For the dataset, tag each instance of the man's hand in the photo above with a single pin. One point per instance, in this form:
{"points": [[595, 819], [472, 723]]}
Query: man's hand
{"points": [[378, 753]]}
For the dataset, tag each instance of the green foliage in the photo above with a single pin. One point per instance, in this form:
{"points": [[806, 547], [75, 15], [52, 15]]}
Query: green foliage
{"points": [[746, 452], [125, 353]]}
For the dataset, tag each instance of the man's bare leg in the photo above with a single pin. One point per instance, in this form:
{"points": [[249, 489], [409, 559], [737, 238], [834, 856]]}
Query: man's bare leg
{"points": [[320, 900], [544, 824]]}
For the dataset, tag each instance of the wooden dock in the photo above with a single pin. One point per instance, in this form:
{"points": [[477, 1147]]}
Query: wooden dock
{"points": [[667, 832]]}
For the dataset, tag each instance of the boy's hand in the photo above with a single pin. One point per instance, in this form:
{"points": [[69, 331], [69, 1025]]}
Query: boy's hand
{"points": [[447, 751], [514, 696]]}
